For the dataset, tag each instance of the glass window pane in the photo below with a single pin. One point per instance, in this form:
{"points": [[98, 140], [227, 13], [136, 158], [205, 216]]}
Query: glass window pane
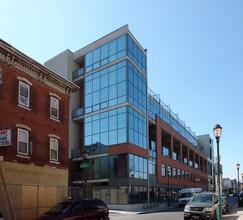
{"points": [[96, 138], [104, 51], [113, 92], [122, 137], [96, 55], [96, 127], [112, 58], [112, 47], [112, 122], [104, 125], [113, 77], [122, 120], [88, 100], [104, 95], [104, 138], [122, 89], [88, 129], [104, 81], [96, 98], [121, 74], [88, 141], [122, 43], [88, 59], [96, 84], [113, 137], [103, 62], [88, 87]]}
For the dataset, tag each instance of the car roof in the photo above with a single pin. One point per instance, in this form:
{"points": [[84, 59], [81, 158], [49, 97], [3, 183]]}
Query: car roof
{"points": [[206, 193]]}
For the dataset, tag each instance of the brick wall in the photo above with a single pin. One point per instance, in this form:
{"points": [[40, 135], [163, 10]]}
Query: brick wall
{"points": [[37, 118]]}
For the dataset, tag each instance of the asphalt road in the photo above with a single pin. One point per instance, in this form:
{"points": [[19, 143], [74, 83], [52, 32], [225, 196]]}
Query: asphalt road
{"points": [[170, 214]]}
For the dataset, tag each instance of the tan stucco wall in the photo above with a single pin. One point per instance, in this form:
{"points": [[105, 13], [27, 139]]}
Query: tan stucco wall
{"points": [[30, 190], [16, 173]]}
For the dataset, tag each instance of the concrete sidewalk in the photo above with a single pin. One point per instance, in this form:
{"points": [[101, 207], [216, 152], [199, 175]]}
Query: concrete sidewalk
{"points": [[235, 214]]}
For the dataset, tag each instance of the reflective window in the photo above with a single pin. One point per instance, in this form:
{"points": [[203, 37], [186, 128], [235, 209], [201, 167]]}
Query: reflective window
{"points": [[137, 88], [106, 88], [152, 167], [23, 141], [137, 167], [136, 55], [24, 94], [105, 54], [137, 129], [53, 149], [163, 170], [107, 128]]}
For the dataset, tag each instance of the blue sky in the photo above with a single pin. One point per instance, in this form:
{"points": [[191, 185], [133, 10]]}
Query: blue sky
{"points": [[195, 52]]}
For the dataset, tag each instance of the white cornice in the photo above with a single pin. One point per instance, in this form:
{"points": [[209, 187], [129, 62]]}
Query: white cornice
{"points": [[16, 59]]}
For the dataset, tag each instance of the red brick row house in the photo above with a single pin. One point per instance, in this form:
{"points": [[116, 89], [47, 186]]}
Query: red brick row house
{"points": [[34, 133]]}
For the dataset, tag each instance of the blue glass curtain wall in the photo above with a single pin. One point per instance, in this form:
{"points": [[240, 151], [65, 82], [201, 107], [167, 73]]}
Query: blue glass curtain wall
{"points": [[138, 167], [106, 88], [115, 50], [137, 88], [114, 127]]}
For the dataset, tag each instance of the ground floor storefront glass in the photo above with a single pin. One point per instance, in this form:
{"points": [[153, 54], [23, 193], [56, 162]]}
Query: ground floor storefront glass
{"points": [[122, 195]]}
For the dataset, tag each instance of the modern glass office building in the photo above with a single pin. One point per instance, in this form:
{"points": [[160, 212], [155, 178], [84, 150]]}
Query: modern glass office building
{"points": [[134, 142]]}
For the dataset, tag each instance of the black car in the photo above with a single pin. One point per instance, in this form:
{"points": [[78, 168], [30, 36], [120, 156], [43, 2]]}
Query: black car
{"points": [[88, 209], [202, 206], [240, 200]]}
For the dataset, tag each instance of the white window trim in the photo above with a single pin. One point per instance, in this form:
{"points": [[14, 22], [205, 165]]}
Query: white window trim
{"points": [[24, 80], [54, 136], [28, 98], [27, 132], [25, 127], [58, 109], [54, 95], [51, 159]]}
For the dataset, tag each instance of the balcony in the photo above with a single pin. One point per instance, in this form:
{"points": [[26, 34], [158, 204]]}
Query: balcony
{"points": [[78, 73], [78, 114], [78, 177], [78, 154]]}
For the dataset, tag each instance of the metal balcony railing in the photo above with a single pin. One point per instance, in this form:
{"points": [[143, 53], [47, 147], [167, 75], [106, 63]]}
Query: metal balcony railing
{"points": [[78, 73], [78, 153], [77, 113]]}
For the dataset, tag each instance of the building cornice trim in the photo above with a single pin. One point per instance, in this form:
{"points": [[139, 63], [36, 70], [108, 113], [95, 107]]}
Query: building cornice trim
{"points": [[16, 59]]}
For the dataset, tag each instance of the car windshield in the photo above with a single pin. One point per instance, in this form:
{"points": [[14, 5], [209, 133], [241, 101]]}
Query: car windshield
{"points": [[58, 208], [202, 198], [186, 195]]}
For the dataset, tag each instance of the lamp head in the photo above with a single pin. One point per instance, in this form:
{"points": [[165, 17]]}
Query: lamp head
{"points": [[85, 154], [217, 131], [238, 166]]}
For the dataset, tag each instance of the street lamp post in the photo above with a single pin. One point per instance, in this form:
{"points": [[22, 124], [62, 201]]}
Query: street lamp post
{"points": [[84, 165], [217, 134], [242, 181], [238, 186], [168, 202]]}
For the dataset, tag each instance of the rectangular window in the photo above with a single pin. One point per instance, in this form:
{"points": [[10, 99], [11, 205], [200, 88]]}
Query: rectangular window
{"points": [[169, 171], [179, 174], [53, 149], [54, 108], [23, 142], [24, 94], [163, 170], [166, 151], [174, 172]]}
